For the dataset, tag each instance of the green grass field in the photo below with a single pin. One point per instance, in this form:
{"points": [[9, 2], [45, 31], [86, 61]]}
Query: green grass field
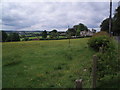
{"points": [[40, 37], [46, 64]]}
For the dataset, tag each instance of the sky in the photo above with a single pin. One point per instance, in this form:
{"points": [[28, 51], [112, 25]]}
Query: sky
{"points": [[31, 16]]}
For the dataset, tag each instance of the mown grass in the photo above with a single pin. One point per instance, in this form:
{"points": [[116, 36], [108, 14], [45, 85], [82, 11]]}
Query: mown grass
{"points": [[46, 64]]}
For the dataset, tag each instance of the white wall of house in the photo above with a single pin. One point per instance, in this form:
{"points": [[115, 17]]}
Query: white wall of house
{"points": [[86, 33]]}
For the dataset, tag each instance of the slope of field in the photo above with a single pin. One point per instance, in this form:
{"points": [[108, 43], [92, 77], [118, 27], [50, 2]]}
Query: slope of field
{"points": [[46, 64]]}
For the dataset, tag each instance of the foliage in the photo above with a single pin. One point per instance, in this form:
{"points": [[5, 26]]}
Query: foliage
{"points": [[80, 27], [55, 31], [101, 33], [24, 38], [75, 30], [100, 39], [83, 27], [44, 34], [107, 63], [70, 32], [4, 36], [105, 25], [115, 23], [13, 37], [68, 35], [54, 34]]}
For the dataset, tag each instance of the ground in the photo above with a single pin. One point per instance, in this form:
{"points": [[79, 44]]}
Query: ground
{"points": [[46, 64]]}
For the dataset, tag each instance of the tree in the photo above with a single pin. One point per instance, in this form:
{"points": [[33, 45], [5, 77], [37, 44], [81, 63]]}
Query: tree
{"points": [[13, 37], [44, 34], [25, 38], [83, 27], [4, 36], [80, 27], [68, 34], [77, 30], [105, 25], [54, 34], [71, 32], [55, 31], [116, 21]]}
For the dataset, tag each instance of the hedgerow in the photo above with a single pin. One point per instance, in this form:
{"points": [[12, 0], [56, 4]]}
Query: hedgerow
{"points": [[105, 46]]}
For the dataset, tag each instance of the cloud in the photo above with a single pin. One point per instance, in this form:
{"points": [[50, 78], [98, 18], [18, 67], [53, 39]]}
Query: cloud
{"points": [[53, 15], [58, 0]]}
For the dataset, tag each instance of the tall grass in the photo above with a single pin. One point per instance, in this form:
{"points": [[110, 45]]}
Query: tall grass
{"points": [[46, 64]]}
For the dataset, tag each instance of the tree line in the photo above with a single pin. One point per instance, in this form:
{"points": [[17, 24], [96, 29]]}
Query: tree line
{"points": [[74, 31], [11, 37], [115, 23], [54, 34]]}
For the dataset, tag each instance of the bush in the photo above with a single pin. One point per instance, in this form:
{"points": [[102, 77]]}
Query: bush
{"points": [[101, 33], [107, 63], [100, 39]]}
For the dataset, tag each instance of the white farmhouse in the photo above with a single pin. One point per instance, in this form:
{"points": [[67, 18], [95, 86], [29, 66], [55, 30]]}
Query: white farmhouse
{"points": [[86, 33]]}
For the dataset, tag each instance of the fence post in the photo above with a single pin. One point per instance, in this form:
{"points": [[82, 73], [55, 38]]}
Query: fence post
{"points": [[79, 84], [94, 69], [101, 49]]}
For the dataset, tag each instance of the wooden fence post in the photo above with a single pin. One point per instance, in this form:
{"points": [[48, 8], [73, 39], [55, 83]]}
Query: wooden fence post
{"points": [[94, 69], [79, 84], [101, 49]]}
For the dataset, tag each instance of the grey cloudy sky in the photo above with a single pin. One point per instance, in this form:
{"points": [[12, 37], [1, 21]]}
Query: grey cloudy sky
{"points": [[52, 15]]}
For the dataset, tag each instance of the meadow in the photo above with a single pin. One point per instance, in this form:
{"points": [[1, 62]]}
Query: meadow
{"points": [[40, 37], [46, 64]]}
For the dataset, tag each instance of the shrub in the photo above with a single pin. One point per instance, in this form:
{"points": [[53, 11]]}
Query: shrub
{"points": [[100, 39], [101, 33], [107, 63]]}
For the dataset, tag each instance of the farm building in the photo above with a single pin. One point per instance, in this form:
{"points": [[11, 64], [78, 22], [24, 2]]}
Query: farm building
{"points": [[86, 33]]}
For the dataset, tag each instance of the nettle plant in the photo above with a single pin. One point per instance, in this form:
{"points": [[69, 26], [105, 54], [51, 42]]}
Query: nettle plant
{"points": [[104, 45]]}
